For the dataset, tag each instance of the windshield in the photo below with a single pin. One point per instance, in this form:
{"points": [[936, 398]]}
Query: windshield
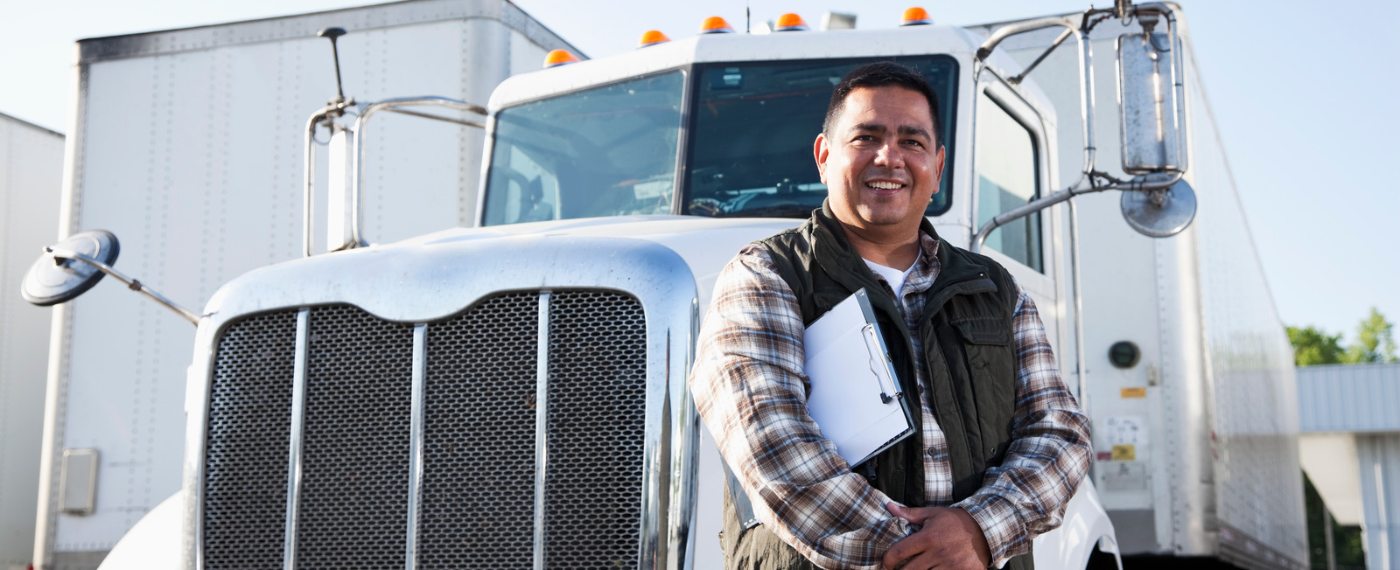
{"points": [[612, 150], [754, 126], [609, 151]]}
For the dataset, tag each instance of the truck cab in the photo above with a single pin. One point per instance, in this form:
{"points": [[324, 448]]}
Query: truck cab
{"points": [[514, 394]]}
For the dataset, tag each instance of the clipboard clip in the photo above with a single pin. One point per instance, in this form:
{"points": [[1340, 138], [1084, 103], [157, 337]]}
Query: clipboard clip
{"points": [[872, 345]]}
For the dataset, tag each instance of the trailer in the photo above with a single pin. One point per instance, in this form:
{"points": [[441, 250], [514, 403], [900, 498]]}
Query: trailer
{"points": [[188, 144], [514, 395], [31, 173], [1191, 383]]}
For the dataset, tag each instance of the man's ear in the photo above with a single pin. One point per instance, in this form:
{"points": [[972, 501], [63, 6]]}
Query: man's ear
{"points": [[938, 168], [821, 151]]}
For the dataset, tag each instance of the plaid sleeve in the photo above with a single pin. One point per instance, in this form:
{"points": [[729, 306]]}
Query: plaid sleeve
{"points": [[750, 389], [1049, 453]]}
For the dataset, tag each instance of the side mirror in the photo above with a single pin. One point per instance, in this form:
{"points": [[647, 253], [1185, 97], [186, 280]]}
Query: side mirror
{"points": [[71, 267], [1151, 101]]}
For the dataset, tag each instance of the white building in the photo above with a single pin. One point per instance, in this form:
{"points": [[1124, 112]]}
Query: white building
{"points": [[1350, 447]]}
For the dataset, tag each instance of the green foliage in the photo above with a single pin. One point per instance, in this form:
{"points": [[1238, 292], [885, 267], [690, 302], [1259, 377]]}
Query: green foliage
{"points": [[1375, 342], [1346, 540], [1312, 347]]}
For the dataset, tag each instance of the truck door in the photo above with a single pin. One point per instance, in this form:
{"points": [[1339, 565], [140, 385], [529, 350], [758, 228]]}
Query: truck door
{"points": [[1012, 169]]}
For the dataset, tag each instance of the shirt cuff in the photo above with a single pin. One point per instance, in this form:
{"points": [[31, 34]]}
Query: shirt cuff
{"points": [[1006, 536]]}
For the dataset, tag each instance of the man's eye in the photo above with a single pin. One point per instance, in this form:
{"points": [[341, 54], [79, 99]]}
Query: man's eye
{"points": [[912, 142], [865, 138]]}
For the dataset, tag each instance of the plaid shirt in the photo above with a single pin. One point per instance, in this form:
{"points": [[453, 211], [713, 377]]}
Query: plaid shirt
{"points": [[749, 387]]}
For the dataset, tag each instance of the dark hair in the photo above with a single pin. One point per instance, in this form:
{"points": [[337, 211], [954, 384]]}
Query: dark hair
{"points": [[881, 74]]}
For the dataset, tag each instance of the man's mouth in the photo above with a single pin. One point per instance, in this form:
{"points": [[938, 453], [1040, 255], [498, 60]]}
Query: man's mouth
{"points": [[883, 185]]}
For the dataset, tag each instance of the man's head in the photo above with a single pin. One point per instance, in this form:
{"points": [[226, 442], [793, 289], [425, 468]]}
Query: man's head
{"points": [[879, 152]]}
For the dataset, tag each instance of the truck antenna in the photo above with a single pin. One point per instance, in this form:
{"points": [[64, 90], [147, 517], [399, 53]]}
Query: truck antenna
{"points": [[332, 34], [747, 17]]}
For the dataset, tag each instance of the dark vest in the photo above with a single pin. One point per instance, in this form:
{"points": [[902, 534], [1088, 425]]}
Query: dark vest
{"points": [[966, 331]]}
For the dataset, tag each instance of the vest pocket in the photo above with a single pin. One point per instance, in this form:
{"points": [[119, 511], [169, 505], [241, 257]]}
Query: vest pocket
{"points": [[992, 363], [985, 331]]}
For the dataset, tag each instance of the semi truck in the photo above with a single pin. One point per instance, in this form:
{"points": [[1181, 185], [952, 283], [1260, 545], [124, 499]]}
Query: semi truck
{"points": [[514, 394]]}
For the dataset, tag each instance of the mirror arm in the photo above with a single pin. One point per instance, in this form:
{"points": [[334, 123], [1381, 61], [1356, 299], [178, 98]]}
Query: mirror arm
{"points": [[1086, 99], [1028, 209], [133, 284], [1016, 80], [357, 155]]}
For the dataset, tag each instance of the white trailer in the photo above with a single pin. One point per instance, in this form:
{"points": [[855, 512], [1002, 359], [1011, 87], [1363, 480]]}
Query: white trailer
{"points": [[514, 395], [31, 174], [188, 143], [1197, 435]]}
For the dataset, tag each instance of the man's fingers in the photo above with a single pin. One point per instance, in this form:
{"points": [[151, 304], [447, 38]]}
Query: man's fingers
{"points": [[914, 515], [913, 546], [924, 560], [902, 549]]}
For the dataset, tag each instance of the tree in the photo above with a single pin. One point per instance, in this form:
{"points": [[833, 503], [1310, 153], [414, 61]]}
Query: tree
{"points": [[1312, 346], [1374, 341]]}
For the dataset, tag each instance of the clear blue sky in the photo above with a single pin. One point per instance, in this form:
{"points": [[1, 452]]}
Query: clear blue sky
{"points": [[1303, 93]]}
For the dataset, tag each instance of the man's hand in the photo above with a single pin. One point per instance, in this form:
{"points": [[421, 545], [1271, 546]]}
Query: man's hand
{"points": [[949, 539]]}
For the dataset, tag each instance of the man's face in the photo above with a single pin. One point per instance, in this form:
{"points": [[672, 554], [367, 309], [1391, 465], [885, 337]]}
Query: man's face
{"points": [[881, 162]]}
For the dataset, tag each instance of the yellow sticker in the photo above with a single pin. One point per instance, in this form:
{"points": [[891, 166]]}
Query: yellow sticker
{"points": [[1124, 453], [1137, 392]]}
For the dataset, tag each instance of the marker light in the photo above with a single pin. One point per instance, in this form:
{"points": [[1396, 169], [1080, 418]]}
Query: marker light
{"points": [[651, 38], [559, 57], [790, 23], [715, 25], [916, 16]]}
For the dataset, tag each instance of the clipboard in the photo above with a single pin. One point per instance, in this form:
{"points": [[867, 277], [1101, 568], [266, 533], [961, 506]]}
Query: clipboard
{"points": [[855, 395]]}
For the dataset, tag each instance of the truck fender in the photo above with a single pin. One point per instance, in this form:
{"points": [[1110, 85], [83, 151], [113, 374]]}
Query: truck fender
{"points": [[1085, 527], [154, 543]]}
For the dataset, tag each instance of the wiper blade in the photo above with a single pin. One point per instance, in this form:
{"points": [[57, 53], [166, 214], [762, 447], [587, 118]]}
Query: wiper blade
{"points": [[787, 211]]}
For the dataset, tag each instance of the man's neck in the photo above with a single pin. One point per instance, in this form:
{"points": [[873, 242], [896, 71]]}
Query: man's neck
{"points": [[896, 249]]}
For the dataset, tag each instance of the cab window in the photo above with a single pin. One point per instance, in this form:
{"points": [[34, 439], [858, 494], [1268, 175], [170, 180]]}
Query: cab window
{"points": [[608, 151], [1006, 179]]}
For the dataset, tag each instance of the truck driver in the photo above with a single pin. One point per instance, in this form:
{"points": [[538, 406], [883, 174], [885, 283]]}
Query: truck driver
{"points": [[1002, 444]]}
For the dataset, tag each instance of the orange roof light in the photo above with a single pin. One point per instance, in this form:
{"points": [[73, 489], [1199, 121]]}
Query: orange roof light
{"points": [[559, 57], [715, 25], [651, 38], [916, 16], [790, 23]]}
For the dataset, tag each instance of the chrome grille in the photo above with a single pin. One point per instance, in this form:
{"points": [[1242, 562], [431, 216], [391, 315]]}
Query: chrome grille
{"points": [[597, 417], [249, 426], [355, 447], [478, 489]]}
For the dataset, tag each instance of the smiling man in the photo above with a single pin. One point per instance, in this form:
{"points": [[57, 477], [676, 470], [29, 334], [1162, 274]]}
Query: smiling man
{"points": [[1002, 443]]}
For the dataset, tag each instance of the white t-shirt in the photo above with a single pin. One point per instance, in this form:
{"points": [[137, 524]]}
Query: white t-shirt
{"points": [[892, 276]]}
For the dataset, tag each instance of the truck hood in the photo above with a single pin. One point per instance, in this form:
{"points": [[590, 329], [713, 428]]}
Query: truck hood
{"points": [[436, 275]]}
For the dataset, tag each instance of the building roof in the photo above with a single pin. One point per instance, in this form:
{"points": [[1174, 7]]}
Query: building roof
{"points": [[1349, 398]]}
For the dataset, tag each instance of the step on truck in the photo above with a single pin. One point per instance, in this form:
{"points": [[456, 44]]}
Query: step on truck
{"points": [[513, 395]]}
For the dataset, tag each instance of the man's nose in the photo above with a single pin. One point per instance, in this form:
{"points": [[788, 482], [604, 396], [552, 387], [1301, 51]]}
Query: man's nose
{"points": [[889, 155]]}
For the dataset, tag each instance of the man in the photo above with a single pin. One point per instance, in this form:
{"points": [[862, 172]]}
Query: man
{"points": [[1002, 443]]}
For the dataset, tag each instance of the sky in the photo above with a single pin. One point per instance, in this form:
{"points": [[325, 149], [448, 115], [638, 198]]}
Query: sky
{"points": [[1303, 96]]}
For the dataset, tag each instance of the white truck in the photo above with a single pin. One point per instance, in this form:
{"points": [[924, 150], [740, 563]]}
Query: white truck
{"points": [[514, 395]]}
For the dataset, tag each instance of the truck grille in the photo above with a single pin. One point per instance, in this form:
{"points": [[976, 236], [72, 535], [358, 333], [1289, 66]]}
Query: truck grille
{"points": [[250, 402], [476, 505], [479, 437]]}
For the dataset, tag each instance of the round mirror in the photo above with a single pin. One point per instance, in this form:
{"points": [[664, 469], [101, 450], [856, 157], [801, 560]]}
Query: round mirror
{"points": [[53, 280], [1160, 213]]}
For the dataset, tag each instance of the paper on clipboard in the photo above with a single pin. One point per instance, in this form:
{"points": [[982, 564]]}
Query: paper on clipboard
{"points": [[855, 397]]}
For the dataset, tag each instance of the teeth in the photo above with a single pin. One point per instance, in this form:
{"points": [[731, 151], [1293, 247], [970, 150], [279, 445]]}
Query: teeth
{"points": [[884, 185]]}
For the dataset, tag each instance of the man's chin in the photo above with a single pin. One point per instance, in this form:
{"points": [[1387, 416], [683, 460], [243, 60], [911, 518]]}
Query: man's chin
{"points": [[884, 215]]}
